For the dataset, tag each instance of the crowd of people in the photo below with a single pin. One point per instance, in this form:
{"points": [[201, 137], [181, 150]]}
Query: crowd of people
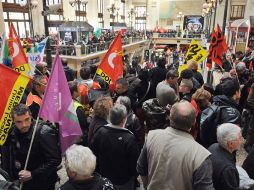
{"points": [[172, 129]]}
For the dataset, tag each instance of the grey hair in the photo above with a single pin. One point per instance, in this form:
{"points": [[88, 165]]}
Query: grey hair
{"points": [[117, 114], [81, 160], [125, 100], [227, 132], [240, 67]]}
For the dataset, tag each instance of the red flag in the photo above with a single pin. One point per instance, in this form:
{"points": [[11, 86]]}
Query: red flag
{"points": [[111, 67], [221, 39], [220, 47], [19, 59], [12, 85], [210, 57]]}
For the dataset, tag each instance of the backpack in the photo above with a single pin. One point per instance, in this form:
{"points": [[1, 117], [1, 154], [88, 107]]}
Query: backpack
{"points": [[210, 119]]}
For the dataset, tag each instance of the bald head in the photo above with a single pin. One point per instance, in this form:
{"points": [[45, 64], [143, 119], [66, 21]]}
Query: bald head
{"points": [[182, 115]]}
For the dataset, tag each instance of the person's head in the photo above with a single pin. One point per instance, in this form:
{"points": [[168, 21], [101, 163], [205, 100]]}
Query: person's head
{"points": [[228, 57], [192, 65], [102, 107], [185, 86], [39, 84], [161, 62], [93, 69], [187, 74], [202, 98], [209, 88], [229, 136], [40, 69], [118, 115], [144, 75], [182, 116], [230, 88], [124, 100], [240, 68], [85, 73], [80, 162], [73, 86], [64, 62], [121, 85], [172, 76], [22, 117]]}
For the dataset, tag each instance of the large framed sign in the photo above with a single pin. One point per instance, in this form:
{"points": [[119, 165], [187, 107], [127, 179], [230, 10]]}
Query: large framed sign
{"points": [[193, 23]]}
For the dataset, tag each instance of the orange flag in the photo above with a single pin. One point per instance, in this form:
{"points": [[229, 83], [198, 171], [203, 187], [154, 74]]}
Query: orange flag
{"points": [[19, 59], [111, 67]]}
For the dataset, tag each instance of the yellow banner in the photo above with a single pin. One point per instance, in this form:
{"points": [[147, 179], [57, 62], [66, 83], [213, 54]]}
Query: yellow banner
{"points": [[24, 69], [103, 75], [14, 99], [195, 52]]}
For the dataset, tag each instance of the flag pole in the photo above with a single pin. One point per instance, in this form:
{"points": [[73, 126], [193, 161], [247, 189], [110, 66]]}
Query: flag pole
{"points": [[30, 147]]}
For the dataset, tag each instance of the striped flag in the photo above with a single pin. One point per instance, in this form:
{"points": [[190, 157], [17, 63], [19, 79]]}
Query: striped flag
{"points": [[12, 85]]}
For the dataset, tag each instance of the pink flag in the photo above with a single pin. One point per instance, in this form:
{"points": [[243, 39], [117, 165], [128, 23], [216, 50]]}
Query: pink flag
{"points": [[58, 106]]}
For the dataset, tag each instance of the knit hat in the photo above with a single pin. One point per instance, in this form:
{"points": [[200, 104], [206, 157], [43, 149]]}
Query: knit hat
{"points": [[187, 82]]}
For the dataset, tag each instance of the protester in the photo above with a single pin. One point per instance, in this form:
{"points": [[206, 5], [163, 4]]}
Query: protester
{"points": [[34, 98], [45, 156], [224, 109], [101, 110], [80, 164], [86, 84], [225, 174], [117, 150], [158, 74], [80, 111], [193, 65], [69, 73], [132, 122], [173, 91], [122, 89], [171, 159], [185, 88]]}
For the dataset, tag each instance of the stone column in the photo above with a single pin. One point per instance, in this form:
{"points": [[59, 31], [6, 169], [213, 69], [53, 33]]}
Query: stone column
{"points": [[2, 26]]}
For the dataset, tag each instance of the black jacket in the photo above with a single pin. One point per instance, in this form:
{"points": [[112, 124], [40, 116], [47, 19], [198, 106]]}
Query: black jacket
{"points": [[134, 126], [44, 158], [69, 73], [117, 153], [225, 174], [95, 183], [95, 124], [158, 74], [223, 110]]}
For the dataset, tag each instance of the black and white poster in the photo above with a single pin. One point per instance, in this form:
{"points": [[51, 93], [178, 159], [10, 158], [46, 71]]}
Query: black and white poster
{"points": [[193, 23]]}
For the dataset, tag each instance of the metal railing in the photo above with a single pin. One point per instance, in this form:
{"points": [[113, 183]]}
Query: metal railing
{"points": [[90, 48]]}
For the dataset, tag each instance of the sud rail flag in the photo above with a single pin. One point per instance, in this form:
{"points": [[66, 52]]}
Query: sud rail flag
{"points": [[19, 59], [111, 67], [196, 52], [58, 106], [12, 85]]}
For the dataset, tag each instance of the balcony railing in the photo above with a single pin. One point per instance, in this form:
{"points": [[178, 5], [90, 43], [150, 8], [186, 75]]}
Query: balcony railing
{"points": [[70, 50]]}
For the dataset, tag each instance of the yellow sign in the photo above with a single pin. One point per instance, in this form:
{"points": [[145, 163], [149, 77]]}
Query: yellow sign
{"points": [[196, 52]]}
